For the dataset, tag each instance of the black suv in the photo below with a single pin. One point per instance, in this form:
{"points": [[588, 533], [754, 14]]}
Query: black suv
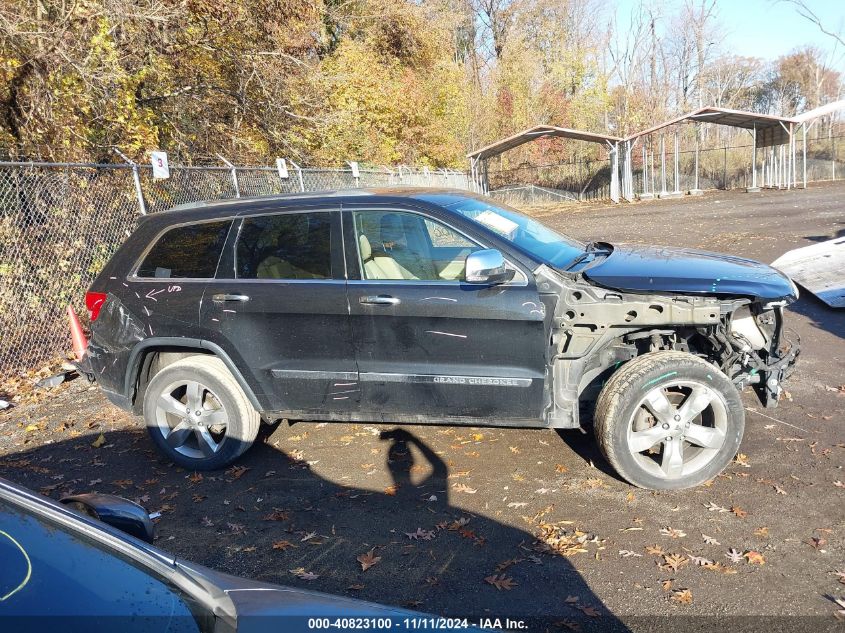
{"points": [[431, 306]]}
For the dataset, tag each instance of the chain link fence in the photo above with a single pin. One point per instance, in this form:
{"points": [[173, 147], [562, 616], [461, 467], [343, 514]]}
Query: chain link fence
{"points": [[60, 223]]}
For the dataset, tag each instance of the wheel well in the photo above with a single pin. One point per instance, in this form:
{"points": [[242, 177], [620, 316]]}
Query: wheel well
{"points": [[153, 360]]}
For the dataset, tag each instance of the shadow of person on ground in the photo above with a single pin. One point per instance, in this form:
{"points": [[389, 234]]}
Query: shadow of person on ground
{"points": [[272, 513]]}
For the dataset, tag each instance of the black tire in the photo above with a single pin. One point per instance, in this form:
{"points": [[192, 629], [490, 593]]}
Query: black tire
{"points": [[621, 412], [218, 391]]}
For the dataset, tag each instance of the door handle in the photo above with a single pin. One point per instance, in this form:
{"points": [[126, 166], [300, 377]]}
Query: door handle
{"points": [[220, 298], [380, 300]]}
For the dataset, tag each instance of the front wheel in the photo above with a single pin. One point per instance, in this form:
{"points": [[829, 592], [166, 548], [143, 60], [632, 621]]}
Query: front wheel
{"points": [[669, 420]]}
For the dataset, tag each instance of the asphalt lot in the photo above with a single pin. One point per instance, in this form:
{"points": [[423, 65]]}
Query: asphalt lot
{"points": [[445, 508]]}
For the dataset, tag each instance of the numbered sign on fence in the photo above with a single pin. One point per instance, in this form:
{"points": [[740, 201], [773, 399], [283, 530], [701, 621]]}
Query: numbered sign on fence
{"points": [[354, 165], [160, 167], [282, 166]]}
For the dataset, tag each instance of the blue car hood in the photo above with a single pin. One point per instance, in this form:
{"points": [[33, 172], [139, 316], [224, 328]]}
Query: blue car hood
{"points": [[687, 271]]}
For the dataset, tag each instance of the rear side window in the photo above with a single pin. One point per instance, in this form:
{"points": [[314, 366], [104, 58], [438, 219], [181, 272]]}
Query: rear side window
{"points": [[190, 252], [288, 246]]}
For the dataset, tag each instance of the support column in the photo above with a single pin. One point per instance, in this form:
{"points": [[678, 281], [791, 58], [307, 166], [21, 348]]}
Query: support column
{"points": [[696, 191], [614, 172], [647, 192], [753, 188], [804, 141]]}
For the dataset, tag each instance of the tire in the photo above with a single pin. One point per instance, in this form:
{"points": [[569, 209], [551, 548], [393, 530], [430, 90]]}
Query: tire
{"points": [[659, 397], [225, 427]]}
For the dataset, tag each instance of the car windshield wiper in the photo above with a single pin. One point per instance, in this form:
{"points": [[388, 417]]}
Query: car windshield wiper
{"points": [[589, 249]]}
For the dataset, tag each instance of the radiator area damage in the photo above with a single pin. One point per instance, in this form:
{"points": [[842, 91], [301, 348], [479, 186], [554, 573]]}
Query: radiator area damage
{"points": [[594, 330]]}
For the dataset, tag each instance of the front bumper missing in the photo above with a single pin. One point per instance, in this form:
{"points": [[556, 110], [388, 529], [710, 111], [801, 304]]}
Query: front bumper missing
{"points": [[768, 376]]}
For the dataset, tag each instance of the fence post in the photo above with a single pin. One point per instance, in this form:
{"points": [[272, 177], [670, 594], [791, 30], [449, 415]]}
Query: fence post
{"points": [[234, 173], [725, 167], [299, 173], [136, 176]]}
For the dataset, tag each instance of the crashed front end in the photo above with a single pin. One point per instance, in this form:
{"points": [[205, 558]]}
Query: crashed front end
{"points": [[759, 350]]}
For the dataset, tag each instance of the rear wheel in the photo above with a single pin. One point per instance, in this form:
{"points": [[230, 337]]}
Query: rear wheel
{"points": [[198, 415], [669, 420]]}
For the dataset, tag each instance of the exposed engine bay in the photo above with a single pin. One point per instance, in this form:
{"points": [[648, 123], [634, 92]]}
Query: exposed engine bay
{"points": [[594, 330]]}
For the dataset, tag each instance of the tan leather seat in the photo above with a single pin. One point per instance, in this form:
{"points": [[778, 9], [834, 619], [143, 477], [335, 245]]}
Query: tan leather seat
{"points": [[380, 265]]}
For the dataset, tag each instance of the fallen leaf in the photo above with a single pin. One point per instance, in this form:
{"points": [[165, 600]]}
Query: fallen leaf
{"points": [[710, 540], [734, 555], [672, 532], [464, 488], [572, 599], [666, 584], [514, 450], [300, 572], [762, 532], [283, 545], [391, 490], [277, 515], [816, 543], [589, 611], [655, 549], [630, 497], [425, 535], [99, 441], [195, 478], [755, 558], [700, 561], [839, 484], [674, 561], [501, 582], [682, 596], [626, 553], [237, 471], [368, 560], [739, 512], [560, 468], [715, 508], [507, 563], [742, 460]]}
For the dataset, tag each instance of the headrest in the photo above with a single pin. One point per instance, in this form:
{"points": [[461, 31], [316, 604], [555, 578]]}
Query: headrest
{"points": [[391, 228], [365, 248]]}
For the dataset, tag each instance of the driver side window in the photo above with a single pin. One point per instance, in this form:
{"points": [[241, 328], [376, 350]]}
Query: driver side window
{"points": [[405, 246]]}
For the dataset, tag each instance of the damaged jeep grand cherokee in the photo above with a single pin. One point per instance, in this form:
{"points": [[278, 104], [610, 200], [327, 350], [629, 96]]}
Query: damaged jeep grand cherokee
{"points": [[436, 307]]}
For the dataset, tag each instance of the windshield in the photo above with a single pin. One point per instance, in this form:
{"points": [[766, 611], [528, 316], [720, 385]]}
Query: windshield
{"points": [[526, 234]]}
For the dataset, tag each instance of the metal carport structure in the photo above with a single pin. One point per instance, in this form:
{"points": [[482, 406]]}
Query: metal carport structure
{"points": [[767, 131], [478, 159]]}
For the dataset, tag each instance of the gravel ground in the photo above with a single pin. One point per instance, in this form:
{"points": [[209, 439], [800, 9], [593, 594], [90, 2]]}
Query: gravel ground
{"points": [[580, 547]]}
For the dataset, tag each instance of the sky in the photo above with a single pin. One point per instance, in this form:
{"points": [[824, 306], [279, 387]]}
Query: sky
{"points": [[770, 28]]}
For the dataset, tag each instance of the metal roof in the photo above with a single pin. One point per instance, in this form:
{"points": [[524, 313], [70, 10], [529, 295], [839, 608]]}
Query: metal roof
{"points": [[771, 130], [540, 131]]}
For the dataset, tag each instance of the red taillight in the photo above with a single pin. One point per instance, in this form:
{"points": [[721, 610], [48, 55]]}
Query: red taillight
{"points": [[94, 301]]}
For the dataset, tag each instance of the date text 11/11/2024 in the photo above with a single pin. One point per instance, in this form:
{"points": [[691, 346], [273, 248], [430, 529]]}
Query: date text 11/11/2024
{"points": [[414, 623]]}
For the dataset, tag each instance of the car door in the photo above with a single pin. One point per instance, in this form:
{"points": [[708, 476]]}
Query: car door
{"points": [[278, 307], [430, 346]]}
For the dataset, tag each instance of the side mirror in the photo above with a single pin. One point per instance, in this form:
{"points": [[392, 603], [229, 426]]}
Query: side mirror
{"points": [[487, 267], [118, 512]]}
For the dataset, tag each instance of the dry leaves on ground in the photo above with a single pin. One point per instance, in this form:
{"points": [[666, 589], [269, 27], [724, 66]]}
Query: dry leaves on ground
{"points": [[755, 558], [501, 582], [283, 545], [302, 574], [368, 560], [682, 596], [672, 532], [673, 562]]}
